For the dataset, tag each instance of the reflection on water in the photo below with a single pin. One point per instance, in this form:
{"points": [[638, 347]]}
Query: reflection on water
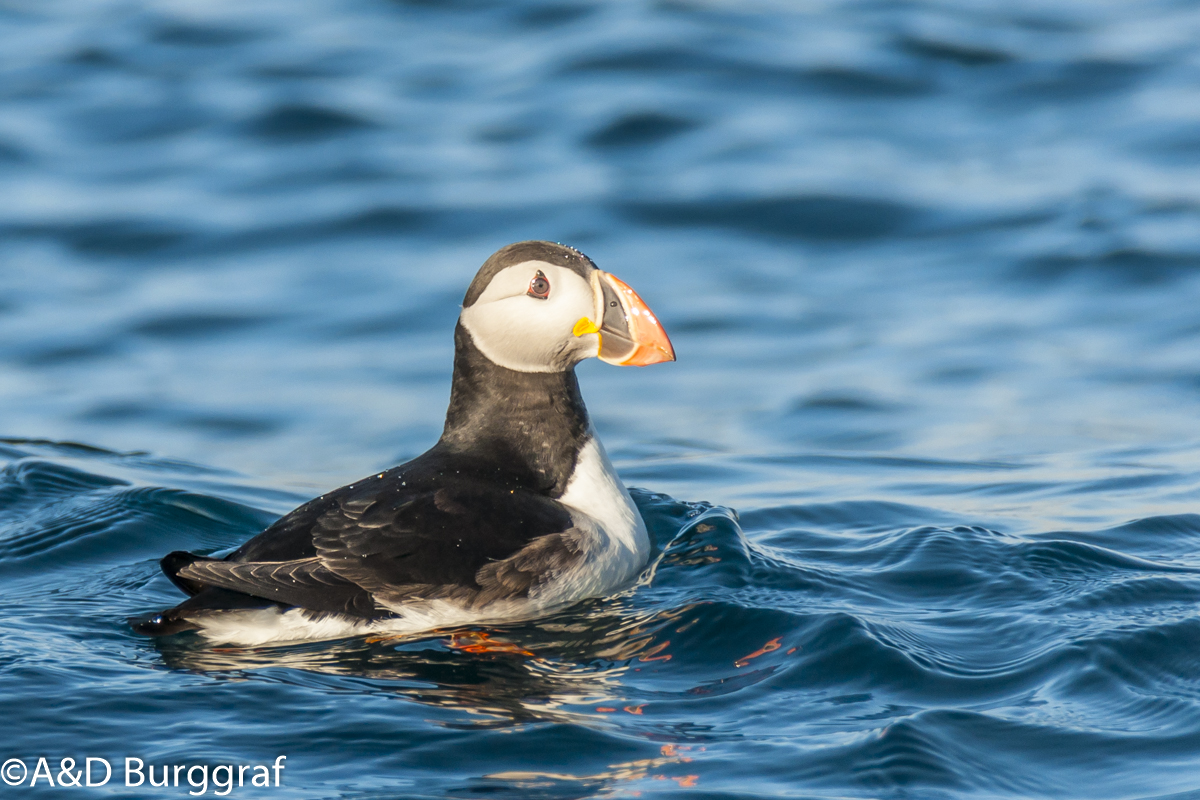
{"points": [[564, 669]]}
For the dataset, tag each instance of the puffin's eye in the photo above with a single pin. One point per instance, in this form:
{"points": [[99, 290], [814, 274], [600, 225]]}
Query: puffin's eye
{"points": [[539, 287]]}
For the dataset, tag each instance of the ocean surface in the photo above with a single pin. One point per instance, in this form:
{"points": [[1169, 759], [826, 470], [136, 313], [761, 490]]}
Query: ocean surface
{"points": [[924, 483]]}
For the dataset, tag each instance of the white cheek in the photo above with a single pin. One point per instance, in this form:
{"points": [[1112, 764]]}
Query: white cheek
{"points": [[528, 334], [531, 346]]}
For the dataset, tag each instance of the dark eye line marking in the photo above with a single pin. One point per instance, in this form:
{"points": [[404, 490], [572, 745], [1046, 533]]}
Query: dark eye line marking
{"points": [[539, 287]]}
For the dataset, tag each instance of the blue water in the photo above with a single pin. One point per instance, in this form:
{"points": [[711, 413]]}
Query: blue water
{"points": [[932, 271]]}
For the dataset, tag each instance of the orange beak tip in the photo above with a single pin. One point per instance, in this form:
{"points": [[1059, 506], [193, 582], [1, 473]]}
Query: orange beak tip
{"points": [[652, 344]]}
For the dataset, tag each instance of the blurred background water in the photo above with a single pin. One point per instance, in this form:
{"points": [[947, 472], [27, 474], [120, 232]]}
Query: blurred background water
{"points": [[932, 271]]}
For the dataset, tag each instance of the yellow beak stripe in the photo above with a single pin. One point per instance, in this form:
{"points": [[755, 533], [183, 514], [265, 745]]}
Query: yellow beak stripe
{"points": [[584, 327]]}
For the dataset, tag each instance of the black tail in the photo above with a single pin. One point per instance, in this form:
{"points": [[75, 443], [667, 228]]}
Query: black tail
{"points": [[173, 562], [203, 599]]}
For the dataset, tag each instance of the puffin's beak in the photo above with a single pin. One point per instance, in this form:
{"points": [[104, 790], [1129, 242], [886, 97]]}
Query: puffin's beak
{"points": [[630, 334]]}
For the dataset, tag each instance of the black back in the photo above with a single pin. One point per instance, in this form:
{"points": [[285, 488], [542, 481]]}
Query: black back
{"points": [[508, 450]]}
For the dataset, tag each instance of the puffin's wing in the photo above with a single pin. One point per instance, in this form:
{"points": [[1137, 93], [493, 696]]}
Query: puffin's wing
{"points": [[474, 541], [306, 583], [385, 543]]}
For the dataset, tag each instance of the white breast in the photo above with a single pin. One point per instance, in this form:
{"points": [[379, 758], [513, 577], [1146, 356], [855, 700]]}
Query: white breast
{"points": [[600, 502]]}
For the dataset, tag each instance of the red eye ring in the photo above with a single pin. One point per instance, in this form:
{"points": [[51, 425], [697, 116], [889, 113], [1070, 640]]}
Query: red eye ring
{"points": [[539, 287]]}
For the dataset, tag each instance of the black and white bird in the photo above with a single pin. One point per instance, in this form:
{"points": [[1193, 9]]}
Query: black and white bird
{"points": [[514, 513]]}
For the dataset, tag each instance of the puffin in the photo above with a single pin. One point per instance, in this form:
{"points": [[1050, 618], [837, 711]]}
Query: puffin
{"points": [[515, 512]]}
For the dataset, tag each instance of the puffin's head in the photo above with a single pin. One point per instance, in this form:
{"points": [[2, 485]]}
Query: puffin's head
{"points": [[544, 307]]}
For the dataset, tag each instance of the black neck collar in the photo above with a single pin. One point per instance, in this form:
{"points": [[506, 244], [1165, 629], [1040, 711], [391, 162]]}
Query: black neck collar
{"points": [[529, 426]]}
